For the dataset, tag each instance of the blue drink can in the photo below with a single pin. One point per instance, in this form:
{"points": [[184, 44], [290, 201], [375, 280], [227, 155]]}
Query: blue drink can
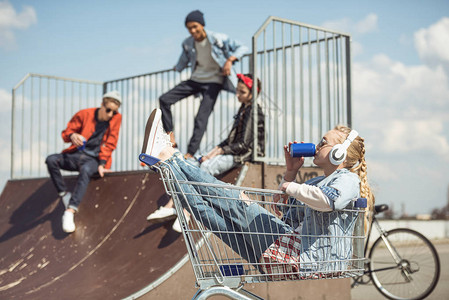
{"points": [[302, 149], [81, 148]]}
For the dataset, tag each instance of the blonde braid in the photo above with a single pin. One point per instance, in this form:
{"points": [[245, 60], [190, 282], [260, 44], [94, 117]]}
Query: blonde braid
{"points": [[355, 162], [365, 189]]}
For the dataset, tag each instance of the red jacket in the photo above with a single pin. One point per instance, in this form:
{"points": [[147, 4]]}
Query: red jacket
{"points": [[83, 122]]}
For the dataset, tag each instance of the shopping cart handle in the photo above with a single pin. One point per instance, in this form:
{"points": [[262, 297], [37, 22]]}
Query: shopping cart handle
{"points": [[148, 159]]}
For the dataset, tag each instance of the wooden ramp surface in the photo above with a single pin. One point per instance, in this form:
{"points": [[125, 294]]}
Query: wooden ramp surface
{"points": [[113, 252]]}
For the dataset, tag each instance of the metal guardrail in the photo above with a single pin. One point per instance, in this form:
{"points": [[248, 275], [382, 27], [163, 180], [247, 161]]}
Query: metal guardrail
{"points": [[305, 74], [140, 96], [41, 107]]}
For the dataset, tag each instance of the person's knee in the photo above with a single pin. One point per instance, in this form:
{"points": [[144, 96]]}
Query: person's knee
{"points": [[163, 100], [208, 168], [88, 170], [52, 160], [205, 166]]}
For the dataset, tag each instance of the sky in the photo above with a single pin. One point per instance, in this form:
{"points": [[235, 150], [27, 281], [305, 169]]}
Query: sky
{"points": [[400, 68]]}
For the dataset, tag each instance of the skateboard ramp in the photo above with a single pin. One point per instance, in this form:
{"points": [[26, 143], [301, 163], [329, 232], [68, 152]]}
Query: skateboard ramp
{"points": [[113, 253]]}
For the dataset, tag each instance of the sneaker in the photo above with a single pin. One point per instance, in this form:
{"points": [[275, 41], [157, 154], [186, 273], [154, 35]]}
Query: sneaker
{"points": [[155, 139], [66, 199], [68, 224], [162, 213], [177, 225]]}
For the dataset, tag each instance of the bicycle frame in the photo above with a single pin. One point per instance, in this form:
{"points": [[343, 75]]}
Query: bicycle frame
{"points": [[384, 236]]}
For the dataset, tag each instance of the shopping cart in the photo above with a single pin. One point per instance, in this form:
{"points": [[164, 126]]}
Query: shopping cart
{"points": [[219, 270]]}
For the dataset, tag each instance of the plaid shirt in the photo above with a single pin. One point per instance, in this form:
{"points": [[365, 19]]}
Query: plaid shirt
{"points": [[281, 259]]}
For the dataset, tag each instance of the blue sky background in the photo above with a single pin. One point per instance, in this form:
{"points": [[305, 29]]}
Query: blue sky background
{"points": [[400, 68]]}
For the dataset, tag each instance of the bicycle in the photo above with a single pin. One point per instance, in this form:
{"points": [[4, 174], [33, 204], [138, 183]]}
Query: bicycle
{"points": [[402, 263]]}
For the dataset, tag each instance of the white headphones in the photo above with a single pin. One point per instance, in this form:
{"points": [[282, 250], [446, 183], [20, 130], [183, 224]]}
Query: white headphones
{"points": [[338, 152]]}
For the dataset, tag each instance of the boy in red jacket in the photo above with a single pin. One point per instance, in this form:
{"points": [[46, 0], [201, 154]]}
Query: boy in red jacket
{"points": [[93, 133]]}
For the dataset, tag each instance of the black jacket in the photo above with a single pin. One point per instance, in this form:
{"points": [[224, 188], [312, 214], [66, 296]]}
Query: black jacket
{"points": [[239, 142]]}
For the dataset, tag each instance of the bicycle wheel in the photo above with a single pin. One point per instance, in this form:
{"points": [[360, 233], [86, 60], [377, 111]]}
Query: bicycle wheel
{"points": [[409, 270]]}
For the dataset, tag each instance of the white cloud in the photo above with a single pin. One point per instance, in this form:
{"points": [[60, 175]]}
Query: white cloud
{"points": [[344, 24], [403, 113], [11, 20], [366, 25], [432, 43], [403, 108], [420, 136], [400, 87]]}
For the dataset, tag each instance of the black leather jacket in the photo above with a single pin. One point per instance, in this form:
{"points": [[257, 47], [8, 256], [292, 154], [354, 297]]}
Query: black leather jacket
{"points": [[239, 142]]}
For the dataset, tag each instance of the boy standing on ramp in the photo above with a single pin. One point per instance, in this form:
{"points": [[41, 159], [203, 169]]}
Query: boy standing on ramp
{"points": [[210, 55]]}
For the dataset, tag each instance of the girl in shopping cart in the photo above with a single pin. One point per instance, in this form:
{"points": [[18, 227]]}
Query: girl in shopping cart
{"points": [[314, 238]]}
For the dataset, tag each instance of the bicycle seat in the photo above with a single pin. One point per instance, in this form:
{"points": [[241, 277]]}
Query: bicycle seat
{"points": [[380, 208]]}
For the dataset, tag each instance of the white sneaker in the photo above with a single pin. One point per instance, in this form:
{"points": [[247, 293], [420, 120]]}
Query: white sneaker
{"points": [[68, 224], [66, 199], [155, 138], [177, 225], [162, 213]]}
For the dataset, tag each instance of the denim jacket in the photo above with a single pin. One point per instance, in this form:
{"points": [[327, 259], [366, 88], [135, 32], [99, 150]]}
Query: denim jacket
{"points": [[222, 48], [326, 237]]}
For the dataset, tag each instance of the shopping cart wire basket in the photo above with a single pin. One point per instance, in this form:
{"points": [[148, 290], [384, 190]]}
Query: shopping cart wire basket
{"points": [[226, 257]]}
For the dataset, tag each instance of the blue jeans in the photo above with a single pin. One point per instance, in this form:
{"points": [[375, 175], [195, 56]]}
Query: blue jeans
{"points": [[187, 88], [218, 164], [76, 161], [239, 225]]}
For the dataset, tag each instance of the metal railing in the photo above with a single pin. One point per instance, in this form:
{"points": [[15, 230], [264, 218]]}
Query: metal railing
{"points": [[41, 107], [305, 75], [140, 96]]}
